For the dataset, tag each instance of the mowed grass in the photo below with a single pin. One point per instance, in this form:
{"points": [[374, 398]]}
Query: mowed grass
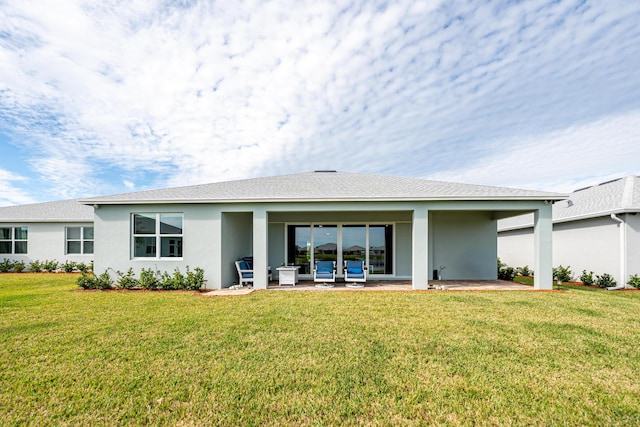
{"points": [[311, 358]]}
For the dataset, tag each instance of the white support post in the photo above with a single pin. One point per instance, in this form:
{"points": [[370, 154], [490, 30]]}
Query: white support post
{"points": [[214, 277], [543, 256], [420, 248], [260, 249]]}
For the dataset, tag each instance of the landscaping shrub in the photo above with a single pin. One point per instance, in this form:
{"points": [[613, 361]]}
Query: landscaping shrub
{"points": [[104, 281], [506, 273], [6, 265], [148, 279], [587, 278], [86, 281], [634, 281], [524, 271], [35, 266], [563, 274], [605, 281], [19, 266], [192, 280], [195, 279], [68, 266], [127, 280], [82, 267], [50, 266]]}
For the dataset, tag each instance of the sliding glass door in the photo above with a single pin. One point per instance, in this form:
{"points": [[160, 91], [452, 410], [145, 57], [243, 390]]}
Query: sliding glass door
{"points": [[371, 243]]}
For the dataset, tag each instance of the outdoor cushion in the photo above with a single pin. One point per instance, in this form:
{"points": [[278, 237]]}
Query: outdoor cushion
{"points": [[247, 275], [354, 267], [325, 267], [244, 265], [324, 275], [356, 275]]}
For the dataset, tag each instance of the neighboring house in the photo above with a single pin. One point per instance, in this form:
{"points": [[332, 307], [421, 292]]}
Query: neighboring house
{"points": [[597, 229], [406, 227], [61, 231]]}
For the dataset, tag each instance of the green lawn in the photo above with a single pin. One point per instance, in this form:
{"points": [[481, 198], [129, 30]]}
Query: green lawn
{"points": [[335, 358]]}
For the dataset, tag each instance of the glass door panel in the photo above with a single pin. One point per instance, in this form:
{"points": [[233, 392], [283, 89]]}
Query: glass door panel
{"points": [[380, 247], [299, 247], [325, 243], [354, 242]]}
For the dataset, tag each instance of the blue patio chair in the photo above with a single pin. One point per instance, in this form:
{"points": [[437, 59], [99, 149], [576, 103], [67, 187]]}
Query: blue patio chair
{"points": [[355, 271], [324, 271], [245, 271]]}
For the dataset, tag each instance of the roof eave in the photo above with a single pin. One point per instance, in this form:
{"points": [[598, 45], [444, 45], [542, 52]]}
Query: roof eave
{"points": [[548, 198]]}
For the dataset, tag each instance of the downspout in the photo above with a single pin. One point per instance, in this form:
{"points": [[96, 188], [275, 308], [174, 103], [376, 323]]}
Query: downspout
{"points": [[622, 254]]}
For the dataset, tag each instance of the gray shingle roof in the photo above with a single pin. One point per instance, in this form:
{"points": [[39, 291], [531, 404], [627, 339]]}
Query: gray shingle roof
{"points": [[324, 186], [617, 196], [60, 211]]}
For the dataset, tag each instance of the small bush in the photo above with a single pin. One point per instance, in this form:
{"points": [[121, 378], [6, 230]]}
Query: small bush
{"points": [[563, 274], [35, 266], [195, 279], [506, 273], [605, 281], [524, 271], [19, 266], [634, 281], [500, 265], [87, 281], [50, 266], [127, 280], [6, 265], [104, 281], [587, 278], [82, 267], [166, 282], [148, 279], [68, 266]]}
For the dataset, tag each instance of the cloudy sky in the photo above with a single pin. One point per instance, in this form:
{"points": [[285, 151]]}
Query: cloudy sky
{"points": [[100, 97]]}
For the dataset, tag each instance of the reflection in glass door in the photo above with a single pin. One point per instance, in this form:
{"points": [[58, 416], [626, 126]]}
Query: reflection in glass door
{"points": [[380, 247], [354, 242], [299, 247], [325, 243]]}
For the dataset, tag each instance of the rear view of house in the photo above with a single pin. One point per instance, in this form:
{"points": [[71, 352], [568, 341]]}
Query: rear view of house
{"points": [[401, 228]]}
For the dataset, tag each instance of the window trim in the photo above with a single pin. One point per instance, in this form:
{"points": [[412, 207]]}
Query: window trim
{"points": [[157, 235], [82, 240], [13, 240]]}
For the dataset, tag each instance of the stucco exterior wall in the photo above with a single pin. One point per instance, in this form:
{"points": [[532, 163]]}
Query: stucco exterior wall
{"points": [[590, 244], [237, 241], [633, 244], [403, 250], [46, 241], [465, 243], [515, 247], [112, 228]]}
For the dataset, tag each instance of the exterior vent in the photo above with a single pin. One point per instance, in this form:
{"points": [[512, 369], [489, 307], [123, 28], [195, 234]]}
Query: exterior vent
{"points": [[325, 171]]}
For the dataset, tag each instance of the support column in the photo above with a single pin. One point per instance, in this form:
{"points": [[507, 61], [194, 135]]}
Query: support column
{"points": [[420, 248], [214, 278], [543, 255], [260, 249]]}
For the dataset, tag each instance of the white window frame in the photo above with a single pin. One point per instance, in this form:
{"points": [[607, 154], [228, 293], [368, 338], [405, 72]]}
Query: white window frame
{"points": [[82, 240], [13, 239], [156, 235]]}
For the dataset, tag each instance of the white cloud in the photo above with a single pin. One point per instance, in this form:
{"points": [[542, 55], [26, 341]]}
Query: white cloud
{"points": [[560, 161], [11, 193], [116, 95]]}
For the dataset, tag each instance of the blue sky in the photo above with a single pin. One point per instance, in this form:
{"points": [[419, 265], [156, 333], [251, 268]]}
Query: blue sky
{"points": [[116, 96]]}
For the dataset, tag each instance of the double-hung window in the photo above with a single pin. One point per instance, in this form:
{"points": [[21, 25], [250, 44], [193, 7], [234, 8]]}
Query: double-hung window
{"points": [[13, 240], [157, 235], [79, 240]]}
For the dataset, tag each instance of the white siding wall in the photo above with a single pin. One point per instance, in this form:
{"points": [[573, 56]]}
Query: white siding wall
{"points": [[591, 244], [515, 247], [46, 241], [633, 244]]}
